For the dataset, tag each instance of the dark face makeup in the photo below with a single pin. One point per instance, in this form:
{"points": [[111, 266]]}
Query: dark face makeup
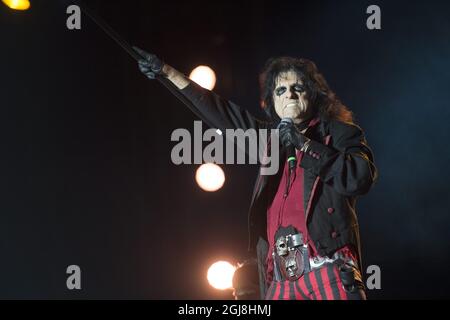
{"points": [[290, 97]]}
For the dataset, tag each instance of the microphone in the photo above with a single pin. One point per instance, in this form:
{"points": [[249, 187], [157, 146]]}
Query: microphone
{"points": [[290, 149]]}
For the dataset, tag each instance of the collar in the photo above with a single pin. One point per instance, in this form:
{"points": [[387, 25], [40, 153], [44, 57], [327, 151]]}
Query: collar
{"points": [[308, 124]]}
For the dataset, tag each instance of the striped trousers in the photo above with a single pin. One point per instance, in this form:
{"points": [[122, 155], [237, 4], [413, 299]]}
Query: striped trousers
{"points": [[323, 283]]}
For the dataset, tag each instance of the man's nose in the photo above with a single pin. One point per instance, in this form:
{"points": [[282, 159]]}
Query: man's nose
{"points": [[293, 95]]}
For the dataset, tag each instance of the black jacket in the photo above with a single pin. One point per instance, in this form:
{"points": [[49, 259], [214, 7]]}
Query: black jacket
{"points": [[343, 170]]}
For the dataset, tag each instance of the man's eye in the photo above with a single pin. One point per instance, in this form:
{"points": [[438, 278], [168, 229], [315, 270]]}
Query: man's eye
{"points": [[299, 88], [280, 91]]}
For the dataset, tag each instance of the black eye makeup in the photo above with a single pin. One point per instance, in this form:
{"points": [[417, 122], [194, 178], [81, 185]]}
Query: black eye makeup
{"points": [[280, 90], [299, 88]]}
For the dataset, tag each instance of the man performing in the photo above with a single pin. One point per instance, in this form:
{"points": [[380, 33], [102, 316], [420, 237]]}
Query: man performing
{"points": [[302, 220]]}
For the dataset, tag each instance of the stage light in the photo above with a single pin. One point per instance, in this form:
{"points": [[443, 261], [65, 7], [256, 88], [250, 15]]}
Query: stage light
{"points": [[220, 275], [204, 76], [210, 177], [17, 4]]}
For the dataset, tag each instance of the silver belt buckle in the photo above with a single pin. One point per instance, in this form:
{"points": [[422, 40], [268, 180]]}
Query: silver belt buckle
{"points": [[296, 240], [289, 260]]}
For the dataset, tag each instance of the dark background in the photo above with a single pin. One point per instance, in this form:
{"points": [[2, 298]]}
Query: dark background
{"points": [[86, 176]]}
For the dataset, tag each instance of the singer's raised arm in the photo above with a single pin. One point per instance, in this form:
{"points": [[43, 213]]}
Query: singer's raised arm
{"points": [[210, 107]]}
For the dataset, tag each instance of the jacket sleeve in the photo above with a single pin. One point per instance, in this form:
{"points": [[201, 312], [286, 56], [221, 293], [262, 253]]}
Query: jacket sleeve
{"points": [[218, 112], [347, 165]]}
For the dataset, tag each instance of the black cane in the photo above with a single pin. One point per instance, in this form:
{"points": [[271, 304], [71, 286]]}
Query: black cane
{"points": [[129, 49], [108, 30]]}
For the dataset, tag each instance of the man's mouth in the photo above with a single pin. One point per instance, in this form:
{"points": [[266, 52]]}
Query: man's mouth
{"points": [[299, 106], [294, 104]]}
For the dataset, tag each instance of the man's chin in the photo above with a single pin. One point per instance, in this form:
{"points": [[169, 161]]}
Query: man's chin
{"points": [[292, 115]]}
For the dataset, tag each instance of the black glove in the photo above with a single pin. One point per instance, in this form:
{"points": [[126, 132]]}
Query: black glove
{"points": [[150, 64], [290, 135]]}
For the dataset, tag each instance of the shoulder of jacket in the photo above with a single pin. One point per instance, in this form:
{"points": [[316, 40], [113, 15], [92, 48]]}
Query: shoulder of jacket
{"points": [[339, 127]]}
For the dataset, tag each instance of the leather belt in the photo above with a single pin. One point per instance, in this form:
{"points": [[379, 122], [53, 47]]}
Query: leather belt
{"points": [[291, 258]]}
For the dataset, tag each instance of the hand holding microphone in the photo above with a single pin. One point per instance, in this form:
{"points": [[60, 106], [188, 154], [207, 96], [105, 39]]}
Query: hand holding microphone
{"points": [[292, 139]]}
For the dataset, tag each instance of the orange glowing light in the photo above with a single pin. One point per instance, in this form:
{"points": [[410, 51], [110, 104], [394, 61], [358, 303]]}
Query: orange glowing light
{"points": [[204, 76], [210, 177], [220, 275], [17, 4]]}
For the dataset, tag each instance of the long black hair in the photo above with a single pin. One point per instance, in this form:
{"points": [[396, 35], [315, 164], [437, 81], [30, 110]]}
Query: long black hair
{"points": [[319, 94]]}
